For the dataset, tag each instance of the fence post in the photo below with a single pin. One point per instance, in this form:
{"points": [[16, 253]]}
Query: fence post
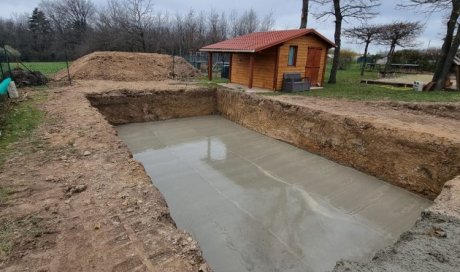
{"points": [[174, 66], [67, 64], [8, 62]]}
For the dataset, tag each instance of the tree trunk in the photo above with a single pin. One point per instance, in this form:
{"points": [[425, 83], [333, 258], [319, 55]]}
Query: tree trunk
{"points": [[337, 39], [365, 57], [304, 16], [448, 62], [389, 58], [451, 24]]}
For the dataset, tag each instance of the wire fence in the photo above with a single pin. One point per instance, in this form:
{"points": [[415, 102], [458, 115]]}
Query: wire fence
{"points": [[5, 67]]}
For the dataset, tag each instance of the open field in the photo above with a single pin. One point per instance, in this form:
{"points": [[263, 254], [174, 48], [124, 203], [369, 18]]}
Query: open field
{"points": [[47, 68]]}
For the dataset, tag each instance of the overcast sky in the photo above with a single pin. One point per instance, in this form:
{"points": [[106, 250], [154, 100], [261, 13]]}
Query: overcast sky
{"points": [[286, 14]]}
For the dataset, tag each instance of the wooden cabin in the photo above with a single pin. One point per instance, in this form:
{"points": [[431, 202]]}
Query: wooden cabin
{"points": [[260, 59]]}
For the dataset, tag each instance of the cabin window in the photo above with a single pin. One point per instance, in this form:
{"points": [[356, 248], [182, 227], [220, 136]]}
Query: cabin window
{"points": [[292, 60]]}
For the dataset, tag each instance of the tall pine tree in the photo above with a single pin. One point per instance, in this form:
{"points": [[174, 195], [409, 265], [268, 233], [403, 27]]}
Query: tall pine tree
{"points": [[40, 28]]}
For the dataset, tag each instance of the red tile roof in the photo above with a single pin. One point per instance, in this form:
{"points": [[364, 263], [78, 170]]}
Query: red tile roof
{"points": [[259, 41]]}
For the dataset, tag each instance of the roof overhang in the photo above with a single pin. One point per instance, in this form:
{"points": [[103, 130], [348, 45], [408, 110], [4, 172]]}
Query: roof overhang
{"points": [[226, 50], [307, 32]]}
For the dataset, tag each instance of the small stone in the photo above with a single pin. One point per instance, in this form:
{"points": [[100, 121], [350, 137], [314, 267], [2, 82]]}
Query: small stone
{"points": [[67, 201], [97, 226], [86, 153], [80, 188], [129, 210], [75, 189], [440, 234]]}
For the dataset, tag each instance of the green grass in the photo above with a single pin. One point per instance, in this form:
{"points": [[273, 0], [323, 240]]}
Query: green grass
{"points": [[3, 194], [6, 233], [214, 83], [348, 86], [18, 121], [47, 68]]}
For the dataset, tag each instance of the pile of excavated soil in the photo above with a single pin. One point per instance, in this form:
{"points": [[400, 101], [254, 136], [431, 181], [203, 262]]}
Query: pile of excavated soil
{"points": [[28, 78], [123, 66]]}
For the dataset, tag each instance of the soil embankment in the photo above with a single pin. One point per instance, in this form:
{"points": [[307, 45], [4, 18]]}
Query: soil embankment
{"points": [[125, 66], [448, 110], [125, 106], [418, 161]]}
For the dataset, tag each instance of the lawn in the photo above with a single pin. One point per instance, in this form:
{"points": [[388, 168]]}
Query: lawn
{"points": [[348, 86], [47, 68], [18, 120]]}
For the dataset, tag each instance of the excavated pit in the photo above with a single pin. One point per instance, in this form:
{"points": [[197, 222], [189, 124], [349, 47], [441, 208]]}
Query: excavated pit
{"points": [[396, 157]]}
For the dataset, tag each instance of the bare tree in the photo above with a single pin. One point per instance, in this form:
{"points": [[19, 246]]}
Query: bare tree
{"points": [[451, 39], [249, 22], [364, 34], [134, 17], [69, 14], [403, 34], [124, 25], [344, 10], [304, 14]]}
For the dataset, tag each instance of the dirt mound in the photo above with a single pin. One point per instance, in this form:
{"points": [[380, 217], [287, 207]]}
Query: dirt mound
{"points": [[28, 78], [121, 66]]}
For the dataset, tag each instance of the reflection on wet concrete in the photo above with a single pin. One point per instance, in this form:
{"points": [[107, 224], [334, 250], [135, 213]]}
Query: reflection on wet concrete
{"points": [[258, 204]]}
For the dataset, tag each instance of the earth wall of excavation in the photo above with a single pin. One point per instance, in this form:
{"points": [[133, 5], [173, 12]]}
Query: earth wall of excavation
{"points": [[422, 163]]}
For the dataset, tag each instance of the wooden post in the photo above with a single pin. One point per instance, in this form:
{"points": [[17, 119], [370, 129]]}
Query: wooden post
{"points": [[210, 66], [275, 76], [230, 68], [251, 70], [324, 67]]}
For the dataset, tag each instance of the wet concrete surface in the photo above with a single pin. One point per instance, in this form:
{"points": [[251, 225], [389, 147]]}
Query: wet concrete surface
{"points": [[257, 204]]}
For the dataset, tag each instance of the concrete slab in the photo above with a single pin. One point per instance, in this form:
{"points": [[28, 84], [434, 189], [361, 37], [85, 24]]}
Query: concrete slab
{"points": [[258, 204]]}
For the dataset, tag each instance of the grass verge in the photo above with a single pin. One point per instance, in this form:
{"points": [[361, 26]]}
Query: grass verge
{"points": [[49, 69], [6, 232], [18, 121]]}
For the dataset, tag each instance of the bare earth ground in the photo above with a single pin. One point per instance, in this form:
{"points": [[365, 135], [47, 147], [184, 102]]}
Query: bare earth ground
{"points": [[81, 203], [383, 114]]}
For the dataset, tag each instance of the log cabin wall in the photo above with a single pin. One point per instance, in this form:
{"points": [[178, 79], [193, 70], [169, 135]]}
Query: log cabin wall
{"points": [[303, 43], [265, 63], [240, 68], [264, 68]]}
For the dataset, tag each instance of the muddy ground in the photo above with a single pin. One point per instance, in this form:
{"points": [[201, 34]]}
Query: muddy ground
{"points": [[79, 202]]}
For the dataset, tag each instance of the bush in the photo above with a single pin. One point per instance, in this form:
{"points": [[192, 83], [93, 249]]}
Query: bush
{"points": [[425, 58], [347, 57]]}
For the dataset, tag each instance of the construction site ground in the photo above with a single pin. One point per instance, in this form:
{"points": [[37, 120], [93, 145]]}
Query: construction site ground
{"points": [[79, 202]]}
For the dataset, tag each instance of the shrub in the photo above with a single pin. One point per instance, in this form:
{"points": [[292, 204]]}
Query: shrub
{"points": [[425, 58], [347, 57]]}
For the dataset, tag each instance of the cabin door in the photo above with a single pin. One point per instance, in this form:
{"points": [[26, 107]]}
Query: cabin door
{"points": [[312, 68]]}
